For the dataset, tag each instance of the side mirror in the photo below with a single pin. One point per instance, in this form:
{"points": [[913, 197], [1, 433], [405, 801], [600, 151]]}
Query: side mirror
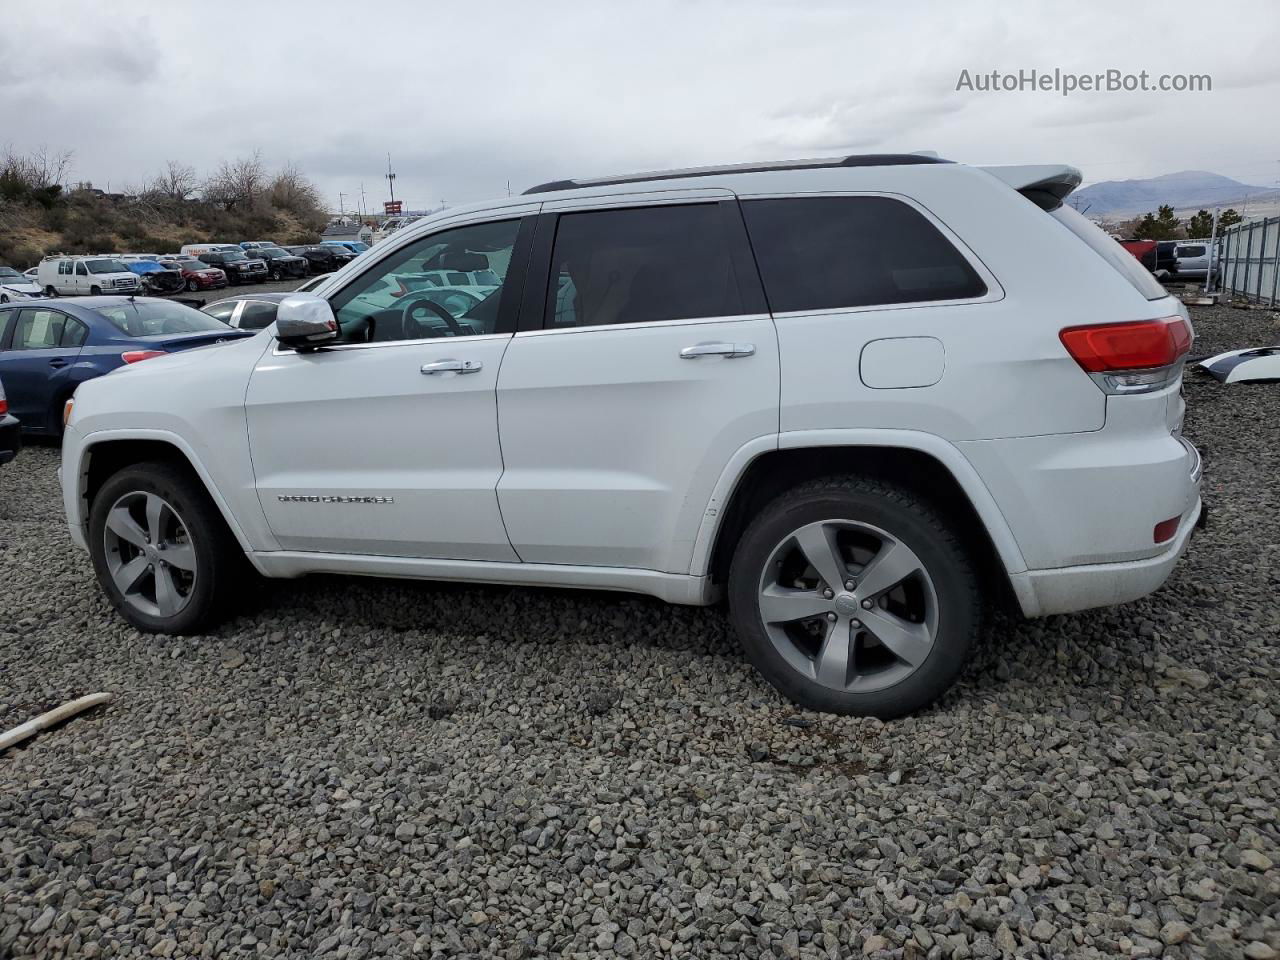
{"points": [[305, 322]]}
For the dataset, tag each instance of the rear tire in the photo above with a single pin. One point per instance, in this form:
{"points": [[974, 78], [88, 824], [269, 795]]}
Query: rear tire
{"points": [[892, 631], [162, 553]]}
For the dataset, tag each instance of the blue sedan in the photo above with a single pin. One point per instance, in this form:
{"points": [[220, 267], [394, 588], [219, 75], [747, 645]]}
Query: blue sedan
{"points": [[50, 347]]}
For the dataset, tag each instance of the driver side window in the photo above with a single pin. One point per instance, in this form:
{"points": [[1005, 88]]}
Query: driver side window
{"points": [[402, 297]]}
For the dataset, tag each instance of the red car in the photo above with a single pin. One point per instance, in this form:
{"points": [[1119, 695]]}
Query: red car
{"points": [[198, 275], [1143, 250]]}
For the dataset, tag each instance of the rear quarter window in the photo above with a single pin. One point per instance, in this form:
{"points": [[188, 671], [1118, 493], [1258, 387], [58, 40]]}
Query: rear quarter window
{"points": [[822, 253]]}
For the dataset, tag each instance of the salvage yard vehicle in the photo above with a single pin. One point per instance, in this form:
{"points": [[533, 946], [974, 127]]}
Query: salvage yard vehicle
{"points": [[157, 278], [18, 286], [49, 349], [280, 264], [1194, 259], [236, 265], [322, 258], [852, 396], [10, 430], [87, 276], [198, 275]]}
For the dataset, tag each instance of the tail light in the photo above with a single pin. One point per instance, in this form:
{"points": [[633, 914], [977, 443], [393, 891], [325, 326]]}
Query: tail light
{"points": [[4, 405], [133, 356], [1138, 357]]}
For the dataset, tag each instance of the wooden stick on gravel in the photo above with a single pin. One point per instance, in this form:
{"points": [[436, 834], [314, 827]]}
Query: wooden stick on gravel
{"points": [[53, 717]]}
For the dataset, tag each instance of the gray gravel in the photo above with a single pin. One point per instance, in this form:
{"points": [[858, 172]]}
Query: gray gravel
{"points": [[363, 768]]}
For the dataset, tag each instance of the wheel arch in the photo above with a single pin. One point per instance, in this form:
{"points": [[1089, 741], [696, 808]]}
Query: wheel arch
{"points": [[923, 463], [101, 458]]}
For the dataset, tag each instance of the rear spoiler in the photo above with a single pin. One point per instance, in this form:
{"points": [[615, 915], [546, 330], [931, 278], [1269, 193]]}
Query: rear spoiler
{"points": [[1046, 185]]}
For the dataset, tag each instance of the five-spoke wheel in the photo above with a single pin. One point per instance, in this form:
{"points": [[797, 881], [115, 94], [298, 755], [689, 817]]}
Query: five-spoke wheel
{"points": [[150, 554]]}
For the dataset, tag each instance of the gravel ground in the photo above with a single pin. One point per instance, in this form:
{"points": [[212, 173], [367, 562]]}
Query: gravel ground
{"points": [[362, 768]]}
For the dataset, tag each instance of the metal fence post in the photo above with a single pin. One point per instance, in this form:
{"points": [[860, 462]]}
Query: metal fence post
{"points": [[1275, 266]]}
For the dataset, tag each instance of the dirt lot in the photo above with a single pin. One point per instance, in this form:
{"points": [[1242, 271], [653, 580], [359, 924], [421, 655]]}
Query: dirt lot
{"points": [[359, 768]]}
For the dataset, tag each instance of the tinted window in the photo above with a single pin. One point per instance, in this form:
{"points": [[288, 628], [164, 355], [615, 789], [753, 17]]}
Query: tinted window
{"points": [[819, 253], [1191, 251], [641, 265], [38, 330], [257, 315], [74, 333], [391, 302], [221, 311], [146, 318]]}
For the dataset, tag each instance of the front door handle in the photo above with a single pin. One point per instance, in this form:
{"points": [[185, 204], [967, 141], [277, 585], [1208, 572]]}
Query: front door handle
{"points": [[717, 350], [452, 366], [57, 362]]}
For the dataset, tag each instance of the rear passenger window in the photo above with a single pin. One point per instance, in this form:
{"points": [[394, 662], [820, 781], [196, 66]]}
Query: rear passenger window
{"points": [[38, 330], [641, 265], [821, 253], [74, 333]]}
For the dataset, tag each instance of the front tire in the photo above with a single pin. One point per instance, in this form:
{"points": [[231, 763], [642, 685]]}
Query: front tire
{"points": [[95, 291], [854, 596], [161, 551], [192, 286]]}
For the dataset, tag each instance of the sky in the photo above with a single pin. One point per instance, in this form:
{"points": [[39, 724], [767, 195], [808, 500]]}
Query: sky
{"points": [[470, 98]]}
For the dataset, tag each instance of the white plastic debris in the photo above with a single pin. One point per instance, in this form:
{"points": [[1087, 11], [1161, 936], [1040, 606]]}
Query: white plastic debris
{"points": [[52, 718]]}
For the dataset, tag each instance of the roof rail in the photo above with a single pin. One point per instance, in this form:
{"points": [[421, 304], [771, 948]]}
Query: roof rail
{"points": [[855, 160]]}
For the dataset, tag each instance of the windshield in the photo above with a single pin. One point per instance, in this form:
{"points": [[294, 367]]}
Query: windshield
{"points": [[106, 266], [272, 252], [146, 318], [233, 255], [8, 273]]}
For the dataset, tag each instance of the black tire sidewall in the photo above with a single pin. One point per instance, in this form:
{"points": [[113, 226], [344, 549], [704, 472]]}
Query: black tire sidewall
{"points": [[952, 572], [203, 525]]}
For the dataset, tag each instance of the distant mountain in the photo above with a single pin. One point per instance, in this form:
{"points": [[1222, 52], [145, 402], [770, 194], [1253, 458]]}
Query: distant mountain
{"points": [[1189, 190]]}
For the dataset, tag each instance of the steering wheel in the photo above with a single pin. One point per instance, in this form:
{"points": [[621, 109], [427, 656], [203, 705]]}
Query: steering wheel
{"points": [[409, 320]]}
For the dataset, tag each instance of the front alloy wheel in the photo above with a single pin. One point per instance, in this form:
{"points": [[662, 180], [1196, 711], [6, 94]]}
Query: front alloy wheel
{"points": [[150, 554], [162, 553]]}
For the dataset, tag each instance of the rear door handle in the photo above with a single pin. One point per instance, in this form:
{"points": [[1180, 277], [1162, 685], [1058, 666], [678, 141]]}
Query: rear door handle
{"points": [[57, 362], [452, 366], [717, 350]]}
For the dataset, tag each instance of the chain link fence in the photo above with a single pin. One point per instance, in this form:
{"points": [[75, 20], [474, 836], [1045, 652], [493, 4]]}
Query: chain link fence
{"points": [[1249, 260]]}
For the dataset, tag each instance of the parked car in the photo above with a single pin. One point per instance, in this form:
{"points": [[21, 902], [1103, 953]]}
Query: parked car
{"points": [[257, 244], [91, 276], [690, 400], [50, 348], [157, 279], [1195, 258], [281, 265], [32, 274], [1167, 259], [1144, 251], [246, 311], [18, 286], [312, 283], [355, 246], [321, 258], [237, 265], [198, 275], [10, 430], [195, 249]]}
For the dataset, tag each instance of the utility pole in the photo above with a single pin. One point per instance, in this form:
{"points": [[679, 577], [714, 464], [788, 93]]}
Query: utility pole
{"points": [[342, 209], [363, 209], [391, 180]]}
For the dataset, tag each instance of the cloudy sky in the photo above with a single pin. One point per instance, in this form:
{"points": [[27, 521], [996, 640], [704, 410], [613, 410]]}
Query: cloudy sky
{"points": [[469, 97]]}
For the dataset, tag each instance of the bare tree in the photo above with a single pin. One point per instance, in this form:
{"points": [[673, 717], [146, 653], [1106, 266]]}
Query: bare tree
{"points": [[290, 190], [38, 170], [237, 183], [177, 181]]}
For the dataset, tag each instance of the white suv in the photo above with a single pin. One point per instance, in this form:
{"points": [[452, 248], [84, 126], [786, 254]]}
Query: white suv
{"points": [[853, 396]]}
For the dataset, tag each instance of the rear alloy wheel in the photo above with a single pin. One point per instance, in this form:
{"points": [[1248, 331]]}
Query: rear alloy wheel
{"points": [[161, 551], [854, 597]]}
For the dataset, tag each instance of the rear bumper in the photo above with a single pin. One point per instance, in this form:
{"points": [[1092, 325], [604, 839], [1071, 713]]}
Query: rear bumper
{"points": [[1070, 589], [10, 438]]}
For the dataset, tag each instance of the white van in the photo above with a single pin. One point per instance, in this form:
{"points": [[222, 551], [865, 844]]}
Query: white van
{"points": [[195, 249], [89, 275]]}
